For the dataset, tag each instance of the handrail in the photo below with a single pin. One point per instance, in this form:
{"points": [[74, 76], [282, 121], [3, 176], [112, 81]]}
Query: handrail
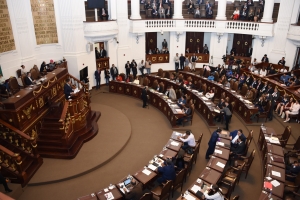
{"points": [[9, 152], [64, 112], [22, 134]]}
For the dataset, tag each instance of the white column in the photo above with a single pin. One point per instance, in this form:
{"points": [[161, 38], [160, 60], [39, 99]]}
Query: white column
{"points": [[268, 11], [96, 14], [177, 9], [221, 10], [112, 9], [135, 9]]}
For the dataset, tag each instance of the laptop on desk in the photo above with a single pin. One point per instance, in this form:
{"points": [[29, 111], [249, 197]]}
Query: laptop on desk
{"points": [[127, 183]]}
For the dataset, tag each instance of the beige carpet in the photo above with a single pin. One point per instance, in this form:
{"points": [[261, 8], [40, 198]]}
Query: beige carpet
{"points": [[150, 132]]}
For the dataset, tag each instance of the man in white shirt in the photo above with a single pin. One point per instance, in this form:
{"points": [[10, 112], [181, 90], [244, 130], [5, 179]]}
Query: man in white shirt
{"points": [[176, 59], [188, 140]]}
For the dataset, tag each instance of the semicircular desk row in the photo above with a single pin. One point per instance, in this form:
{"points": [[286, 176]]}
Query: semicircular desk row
{"points": [[204, 106], [265, 145], [148, 174]]}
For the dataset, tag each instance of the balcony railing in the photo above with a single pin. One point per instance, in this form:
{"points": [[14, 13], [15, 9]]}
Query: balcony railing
{"points": [[294, 33]]}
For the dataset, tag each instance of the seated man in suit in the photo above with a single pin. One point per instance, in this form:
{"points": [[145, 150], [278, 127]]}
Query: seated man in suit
{"points": [[154, 13], [239, 148], [136, 192], [28, 79], [103, 14], [181, 101], [187, 112], [167, 172], [209, 13], [168, 13], [249, 95], [197, 13], [234, 135], [293, 169], [68, 90]]}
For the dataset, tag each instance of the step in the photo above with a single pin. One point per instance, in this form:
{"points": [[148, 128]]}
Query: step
{"points": [[49, 134]]}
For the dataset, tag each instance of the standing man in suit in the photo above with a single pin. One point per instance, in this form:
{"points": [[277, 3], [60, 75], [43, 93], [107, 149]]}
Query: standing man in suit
{"points": [[68, 89], [98, 77], [133, 66], [164, 44], [114, 72], [168, 13], [250, 51], [28, 79], [127, 68], [4, 183], [265, 59], [144, 96], [212, 143], [102, 53], [181, 59], [227, 114], [274, 96], [97, 54], [136, 192], [193, 61]]}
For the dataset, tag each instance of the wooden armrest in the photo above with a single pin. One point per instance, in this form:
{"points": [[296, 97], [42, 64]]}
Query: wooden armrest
{"points": [[291, 175], [292, 186], [296, 194], [237, 169], [154, 193]]}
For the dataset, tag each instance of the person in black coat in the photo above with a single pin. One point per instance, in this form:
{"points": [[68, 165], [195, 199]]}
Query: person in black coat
{"points": [[102, 53], [145, 96], [133, 66], [114, 71], [127, 68], [181, 61], [97, 55], [97, 75], [43, 67], [4, 183], [107, 76], [265, 59], [68, 89], [212, 143], [28, 79], [239, 148]]}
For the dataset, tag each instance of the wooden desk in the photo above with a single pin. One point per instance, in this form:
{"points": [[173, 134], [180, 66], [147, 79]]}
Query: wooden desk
{"points": [[210, 175], [158, 58], [167, 153], [174, 147], [225, 153], [120, 185], [246, 60], [212, 163], [143, 178], [227, 143], [270, 168], [275, 149], [103, 63], [201, 57], [225, 135], [268, 160], [88, 197], [196, 183], [175, 134], [115, 192], [264, 134], [264, 196], [187, 195]]}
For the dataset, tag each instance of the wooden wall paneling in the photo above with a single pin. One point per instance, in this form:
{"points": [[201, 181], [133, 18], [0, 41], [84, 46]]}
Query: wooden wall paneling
{"points": [[242, 44], [194, 40], [151, 41]]}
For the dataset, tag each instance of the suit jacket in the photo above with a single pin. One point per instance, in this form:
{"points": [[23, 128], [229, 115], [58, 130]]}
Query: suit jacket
{"points": [[259, 86], [265, 59], [28, 81], [144, 94], [170, 11], [234, 133], [127, 67], [154, 12], [67, 90], [198, 51], [213, 139], [102, 53], [164, 44], [254, 84], [167, 172], [239, 148], [97, 75], [249, 81], [112, 71], [135, 193], [281, 62]]}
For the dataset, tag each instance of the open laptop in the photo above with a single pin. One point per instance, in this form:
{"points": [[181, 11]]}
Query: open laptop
{"points": [[127, 183]]}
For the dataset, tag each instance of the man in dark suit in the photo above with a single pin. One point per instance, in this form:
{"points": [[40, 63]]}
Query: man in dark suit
{"points": [[154, 13], [198, 50], [168, 12], [254, 83], [136, 192], [164, 44], [260, 85], [239, 148], [133, 67], [181, 59], [28, 79], [102, 53], [145, 96], [167, 172], [249, 80], [274, 97], [212, 143], [127, 68], [68, 89], [114, 72], [234, 135], [97, 55], [4, 183], [265, 59], [98, 77], [43, 67], [282, 61]]}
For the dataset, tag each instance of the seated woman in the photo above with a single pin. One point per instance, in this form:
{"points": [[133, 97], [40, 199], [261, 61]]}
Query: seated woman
{"points": [[213, 193], [235, 76], [263, 72], [236, 14], [210, 94], [281, 104], [293, 110]]}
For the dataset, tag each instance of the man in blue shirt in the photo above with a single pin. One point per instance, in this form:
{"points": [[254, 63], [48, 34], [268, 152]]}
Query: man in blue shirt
{"points": [[167, 172], [285, 78], [212, 143], [234, 135]]}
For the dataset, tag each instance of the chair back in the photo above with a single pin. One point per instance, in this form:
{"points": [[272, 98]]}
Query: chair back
{"points": [[155, 84], [207, 74], [250, 136], [179, 178], [165, 192], [131, 78], [13, 85], [19, 73], [236, 197], [235, 86], [200, 138], [285, 136], [37, 70], [204, 88], [186, 69], [216, 76], [178, 94], [167, 75], [160, 72], [180, 77], [162, 86], [146, 81], [201, 72], [232, 106], [199, 85], [297, 144], [254, 91], [244, 89], [250, 160], [231, 84], [147, 196], [189, 164], [123, 76], [34, 74]]}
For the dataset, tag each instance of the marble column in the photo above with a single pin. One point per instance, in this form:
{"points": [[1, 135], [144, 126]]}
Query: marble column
{"points": [[268, 11], [135, 9], [177, 9], [221, 10]]}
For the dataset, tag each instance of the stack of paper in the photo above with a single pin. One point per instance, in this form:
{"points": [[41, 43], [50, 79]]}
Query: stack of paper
{"points": [[274, 140], [274, 173], [178, 110], [152, 167], [247, 101], [109, 196], [147, 172], [204, 98], [218, 151], [208, 103], [174, 143], [217, 111], [220, 165], [189, 197], [275, 183], [220, 143], [195, 189]]}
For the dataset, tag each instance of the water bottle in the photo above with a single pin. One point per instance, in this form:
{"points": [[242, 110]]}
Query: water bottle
{"points": [[270, 194]]}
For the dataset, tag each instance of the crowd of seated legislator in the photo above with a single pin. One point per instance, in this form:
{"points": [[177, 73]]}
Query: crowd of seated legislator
{"points": [[248, 11], [159, 9]]}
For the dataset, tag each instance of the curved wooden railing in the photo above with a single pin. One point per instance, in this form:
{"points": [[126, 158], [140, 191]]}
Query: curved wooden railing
{"points": [[19, 139], [64, 112]]}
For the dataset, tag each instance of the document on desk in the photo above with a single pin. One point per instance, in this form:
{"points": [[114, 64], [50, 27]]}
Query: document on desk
{"points": [[220, 165], [177, 133], [220, 143], [195, 188], [275, 183], [178, 111], [174, 143], [274, 140], [152, 167], [247, 101], [218, 151], [106, 190], [274, 173], [109, 196], [204, 98], [170, 101], [207, 103], [147, 172], [76, 90], [217, 111], [189, 197]]}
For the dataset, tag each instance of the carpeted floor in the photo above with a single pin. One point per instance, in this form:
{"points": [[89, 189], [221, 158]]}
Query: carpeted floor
{"points": [[150, 130]]}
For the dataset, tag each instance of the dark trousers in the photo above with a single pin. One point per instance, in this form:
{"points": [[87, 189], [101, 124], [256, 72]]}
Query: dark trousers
{"points": [[127, 73], [144, 103], [4, 183], [181, 65], [176, 66], [185, 146], [142, 71], [113, 77], [98, 83], [161, 180], [227, 119], [210, 151], [107, 80]]}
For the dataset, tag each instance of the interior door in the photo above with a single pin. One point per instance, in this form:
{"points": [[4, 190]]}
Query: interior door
{"points": [[194, 40], [242, 43], [151, 41]]}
